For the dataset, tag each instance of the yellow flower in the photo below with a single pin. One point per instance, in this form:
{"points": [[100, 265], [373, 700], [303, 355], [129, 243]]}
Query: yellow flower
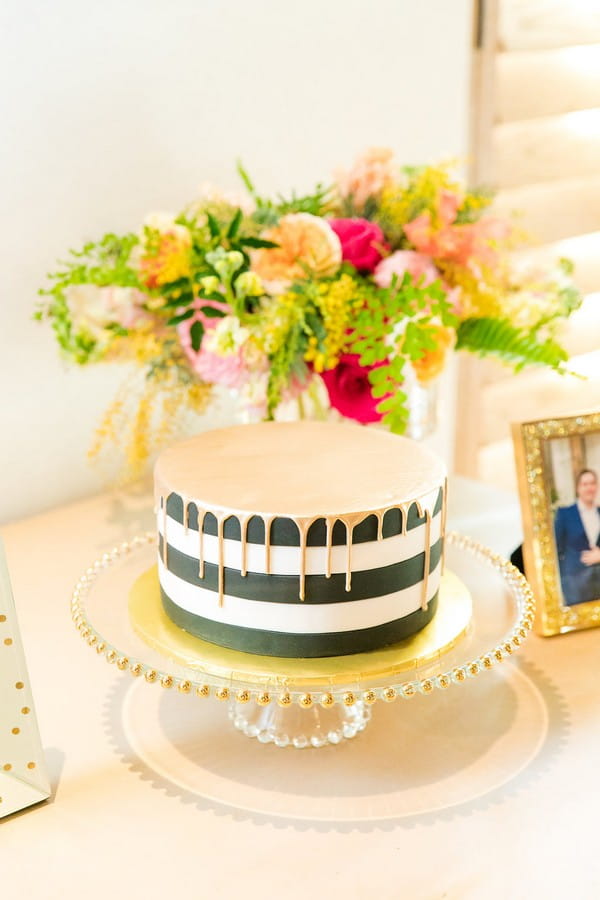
{"points": [[431, 364], [163, 255], [306, 242], [481, 293], [169, 261], [141, 345], [336, 301], [146, 415], [279, 315], [401, 202]]}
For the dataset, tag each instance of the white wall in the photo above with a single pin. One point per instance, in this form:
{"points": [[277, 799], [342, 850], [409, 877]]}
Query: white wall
{"points": [[112, 109]]}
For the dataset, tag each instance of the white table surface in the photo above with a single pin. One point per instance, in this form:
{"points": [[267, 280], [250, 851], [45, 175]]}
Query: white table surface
{"points": [[495, 796]]}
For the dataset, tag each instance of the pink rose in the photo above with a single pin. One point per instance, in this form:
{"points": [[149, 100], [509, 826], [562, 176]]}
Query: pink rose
{"points": [[362, 242], [419, 265], [349, 389]]}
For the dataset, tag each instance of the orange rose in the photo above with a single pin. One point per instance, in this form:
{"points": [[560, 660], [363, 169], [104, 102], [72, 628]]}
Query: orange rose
{"points": [[305, 242]]}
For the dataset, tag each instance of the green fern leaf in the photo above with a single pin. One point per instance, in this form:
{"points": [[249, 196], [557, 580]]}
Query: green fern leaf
{"points": [[513, 346]]}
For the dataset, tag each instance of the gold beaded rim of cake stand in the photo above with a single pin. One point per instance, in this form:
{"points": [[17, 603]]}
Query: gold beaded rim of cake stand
{"points": [[226, 689]]}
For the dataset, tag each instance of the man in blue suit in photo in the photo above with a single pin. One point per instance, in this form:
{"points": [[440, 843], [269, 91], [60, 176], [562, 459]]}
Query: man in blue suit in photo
{"points": [[577, 532]]}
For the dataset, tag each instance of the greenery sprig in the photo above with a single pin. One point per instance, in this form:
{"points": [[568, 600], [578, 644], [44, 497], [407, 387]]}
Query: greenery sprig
{"points": [[395, 326], [513, 346], [268, 211], [104, 263]]}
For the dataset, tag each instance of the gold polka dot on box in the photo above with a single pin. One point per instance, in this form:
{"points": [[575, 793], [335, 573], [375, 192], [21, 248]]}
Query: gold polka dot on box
{"points": [[23, 778]]}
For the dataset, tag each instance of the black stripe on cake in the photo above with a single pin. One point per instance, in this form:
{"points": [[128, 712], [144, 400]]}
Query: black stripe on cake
{"points": [[276, 643], [318, 588], [284, 531]]}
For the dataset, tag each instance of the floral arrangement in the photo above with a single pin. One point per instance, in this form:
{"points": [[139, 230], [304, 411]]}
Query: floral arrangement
{"points": [[325, 299]]}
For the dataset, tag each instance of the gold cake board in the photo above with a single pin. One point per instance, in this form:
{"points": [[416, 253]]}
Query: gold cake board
{"points": [[153, 626]]}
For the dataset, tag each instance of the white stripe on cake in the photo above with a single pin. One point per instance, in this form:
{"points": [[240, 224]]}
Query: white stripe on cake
{"points": [[296, 618]]}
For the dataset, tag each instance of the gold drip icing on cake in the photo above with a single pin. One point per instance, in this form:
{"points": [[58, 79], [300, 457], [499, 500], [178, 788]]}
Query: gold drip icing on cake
{"points": [[424, 591], [252, 464], [220, 527], [349, 535], [267, 526], [329, 542], [244, 540], [425, 512], [303, 529], [443, 525], [164, 518], [201, 516]]}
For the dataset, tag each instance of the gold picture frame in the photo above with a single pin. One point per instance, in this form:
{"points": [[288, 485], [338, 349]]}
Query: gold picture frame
{"points": [[538, 444]]}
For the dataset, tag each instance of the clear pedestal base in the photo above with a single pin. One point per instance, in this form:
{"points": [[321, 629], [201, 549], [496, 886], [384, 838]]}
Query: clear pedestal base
{"points": [[293, 726]]}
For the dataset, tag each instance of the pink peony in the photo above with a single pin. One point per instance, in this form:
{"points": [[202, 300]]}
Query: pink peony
{"points": [[419, 265], [349, 389], [362, 242], [184, 329], [230, 371], [368, 176]]}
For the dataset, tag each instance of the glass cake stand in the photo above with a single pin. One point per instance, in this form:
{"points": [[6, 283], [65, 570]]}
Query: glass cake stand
{"points": [[485, 612]]}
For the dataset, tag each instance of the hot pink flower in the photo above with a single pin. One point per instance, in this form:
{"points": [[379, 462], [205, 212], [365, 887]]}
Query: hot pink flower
{"points": [[349, 389], [362, 242]]}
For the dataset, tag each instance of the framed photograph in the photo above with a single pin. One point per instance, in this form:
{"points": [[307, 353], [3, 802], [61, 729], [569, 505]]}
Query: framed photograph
{"points": [[558, 466]]}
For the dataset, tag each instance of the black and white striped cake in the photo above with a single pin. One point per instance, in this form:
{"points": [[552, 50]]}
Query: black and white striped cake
{"points": [[300, 539]]}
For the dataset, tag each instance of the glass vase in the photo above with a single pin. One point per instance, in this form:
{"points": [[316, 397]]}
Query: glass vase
{"points": [[422, 405]]}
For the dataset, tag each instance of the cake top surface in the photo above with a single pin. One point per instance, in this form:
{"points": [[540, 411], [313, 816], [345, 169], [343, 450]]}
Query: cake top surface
{"points": [[298, 469]]}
